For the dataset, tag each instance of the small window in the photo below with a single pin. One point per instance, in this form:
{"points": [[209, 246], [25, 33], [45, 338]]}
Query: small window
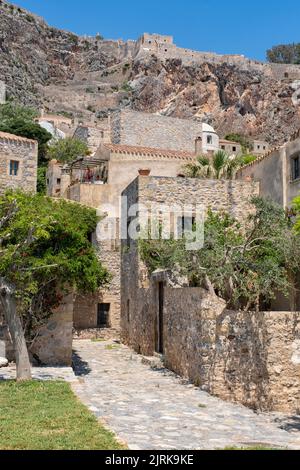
{"points": [[258, 147], [234, 149], [58, 181], [48, 181], [223, 147], [101, 134], [103, 315], [296, 168], [14, 168], [209, 139]]}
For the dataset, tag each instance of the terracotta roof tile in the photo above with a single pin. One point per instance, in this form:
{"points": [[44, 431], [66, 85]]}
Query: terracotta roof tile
{"points": [[149, 151], [6, 135]]}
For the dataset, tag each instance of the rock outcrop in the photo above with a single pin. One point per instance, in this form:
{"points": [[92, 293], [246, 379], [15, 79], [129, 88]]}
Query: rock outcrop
{"points": [[88, 76]]}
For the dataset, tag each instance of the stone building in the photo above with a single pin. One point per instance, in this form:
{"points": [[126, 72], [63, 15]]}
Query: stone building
{"points": [[98, 182], [260, 147], [163, 132], [141, 143], [18, 163], [278, 172], [251, 358], [93, 136]]}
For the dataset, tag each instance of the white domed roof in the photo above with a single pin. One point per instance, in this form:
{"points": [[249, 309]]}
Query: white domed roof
{"points": [[207, 128]]}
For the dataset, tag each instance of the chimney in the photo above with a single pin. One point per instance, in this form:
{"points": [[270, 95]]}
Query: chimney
{"points": [[198, 146], [144, 171]]}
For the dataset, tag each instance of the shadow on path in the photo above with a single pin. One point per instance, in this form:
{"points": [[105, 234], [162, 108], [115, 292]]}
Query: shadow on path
{"points": [[291, 423], [80, 366]]}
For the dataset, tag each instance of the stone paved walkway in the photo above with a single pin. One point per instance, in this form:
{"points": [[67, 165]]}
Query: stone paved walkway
{"points": [[41, 373], [151, 409]]}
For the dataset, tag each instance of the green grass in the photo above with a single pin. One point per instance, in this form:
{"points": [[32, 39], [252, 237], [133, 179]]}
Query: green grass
{"points": [[48, 416]]}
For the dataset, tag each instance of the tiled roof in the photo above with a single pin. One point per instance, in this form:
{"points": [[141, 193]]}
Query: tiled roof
{"points": [[5, 135], [128, 149]]}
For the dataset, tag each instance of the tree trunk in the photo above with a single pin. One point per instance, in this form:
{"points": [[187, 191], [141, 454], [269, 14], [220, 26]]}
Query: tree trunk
{"points": [[13, 321]]}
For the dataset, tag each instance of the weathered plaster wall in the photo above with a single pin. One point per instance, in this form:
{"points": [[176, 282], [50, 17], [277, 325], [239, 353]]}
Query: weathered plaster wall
{"points": [[274, 173], [269, 173]]}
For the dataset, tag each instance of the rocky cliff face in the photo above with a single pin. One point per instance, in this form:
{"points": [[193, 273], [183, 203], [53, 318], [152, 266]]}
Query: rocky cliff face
{"points": [[62, 72]]}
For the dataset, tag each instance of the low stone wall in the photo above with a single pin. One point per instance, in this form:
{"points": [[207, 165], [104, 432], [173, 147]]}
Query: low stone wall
{"points": [[245, 357], [251, 358], [54, 343]]}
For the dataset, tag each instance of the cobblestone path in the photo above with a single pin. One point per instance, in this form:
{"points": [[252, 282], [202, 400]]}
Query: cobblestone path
{"points": [[154, 409]]}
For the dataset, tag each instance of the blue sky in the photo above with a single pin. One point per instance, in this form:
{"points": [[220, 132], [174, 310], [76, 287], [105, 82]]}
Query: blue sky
{"points": [[229, 27]]}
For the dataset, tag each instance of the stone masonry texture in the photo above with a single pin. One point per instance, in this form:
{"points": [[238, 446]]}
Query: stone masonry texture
{"points": [[150, 130], [25, 153], [244, 357]]}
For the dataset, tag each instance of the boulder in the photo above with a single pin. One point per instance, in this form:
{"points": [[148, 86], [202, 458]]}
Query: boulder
{"points": [[3, 362]]}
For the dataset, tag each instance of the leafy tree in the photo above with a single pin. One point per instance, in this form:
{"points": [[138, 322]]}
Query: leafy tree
{"points": [[245, 266], [67, 150], [284, 54], [242, 140], [10, 111], [20, 120], [44, 253]]}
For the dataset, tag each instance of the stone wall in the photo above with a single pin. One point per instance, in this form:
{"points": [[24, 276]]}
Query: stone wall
{"points": [[155, 131], [53, 345], [164, 48], [250, 358], [92, 136], [23, 151], [218, 195]]}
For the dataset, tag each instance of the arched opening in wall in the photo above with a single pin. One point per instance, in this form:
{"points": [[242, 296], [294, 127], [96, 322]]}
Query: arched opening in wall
{"points": [[209, 139], [286, 75]]}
